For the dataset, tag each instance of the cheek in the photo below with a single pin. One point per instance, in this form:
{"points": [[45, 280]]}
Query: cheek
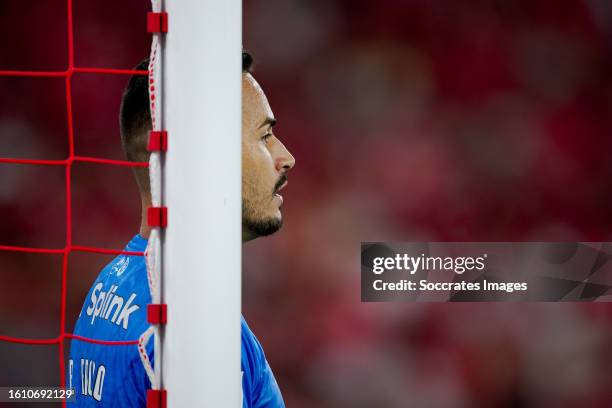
{"points": [[256, 174], [257, 163]]}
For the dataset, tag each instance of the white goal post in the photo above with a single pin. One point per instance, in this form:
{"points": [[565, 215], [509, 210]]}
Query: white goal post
{"points": [[201, 262]]}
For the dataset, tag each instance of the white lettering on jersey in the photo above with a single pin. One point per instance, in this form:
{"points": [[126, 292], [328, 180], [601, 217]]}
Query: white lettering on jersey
{"points": [[70, 367], [127, 311], [88, 370], [97, 394], [120, 266], [104, 303], [84, 376]]}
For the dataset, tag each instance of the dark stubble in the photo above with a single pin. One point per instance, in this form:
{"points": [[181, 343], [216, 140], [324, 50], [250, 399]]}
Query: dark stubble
{"points": [[262, 226]]}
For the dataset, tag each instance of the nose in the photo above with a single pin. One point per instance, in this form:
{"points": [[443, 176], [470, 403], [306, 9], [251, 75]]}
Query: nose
{"points": [[285, 160]]}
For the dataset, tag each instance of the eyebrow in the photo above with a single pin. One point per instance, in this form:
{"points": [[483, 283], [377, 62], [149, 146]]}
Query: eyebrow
{"points": [[268, 121]]}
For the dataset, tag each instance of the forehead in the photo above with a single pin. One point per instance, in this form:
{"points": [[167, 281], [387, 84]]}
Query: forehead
{"points": [[254, 102]]}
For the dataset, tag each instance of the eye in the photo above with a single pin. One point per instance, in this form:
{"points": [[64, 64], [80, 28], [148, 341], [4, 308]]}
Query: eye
{"points": [[265, 137]]}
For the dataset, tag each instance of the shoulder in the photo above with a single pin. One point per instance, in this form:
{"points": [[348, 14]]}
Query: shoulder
{"points": [[253, 356], [261, 387], [251, 351], [115, 307]]}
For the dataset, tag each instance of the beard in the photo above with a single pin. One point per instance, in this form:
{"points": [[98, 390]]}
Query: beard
{"points": [[258, 225], [261, 226]]}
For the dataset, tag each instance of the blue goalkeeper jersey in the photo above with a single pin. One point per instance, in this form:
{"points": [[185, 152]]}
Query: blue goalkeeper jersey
{"points": [[116, 309]]}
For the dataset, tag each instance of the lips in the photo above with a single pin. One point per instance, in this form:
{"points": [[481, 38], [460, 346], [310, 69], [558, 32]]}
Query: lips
{"points": [[282, 186]]}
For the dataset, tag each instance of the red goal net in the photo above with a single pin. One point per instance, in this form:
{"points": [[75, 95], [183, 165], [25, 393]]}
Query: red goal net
{"points": [[70, 245]]}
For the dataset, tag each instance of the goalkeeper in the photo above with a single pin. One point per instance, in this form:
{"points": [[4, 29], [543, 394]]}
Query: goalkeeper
{"points": [[115, 307]]}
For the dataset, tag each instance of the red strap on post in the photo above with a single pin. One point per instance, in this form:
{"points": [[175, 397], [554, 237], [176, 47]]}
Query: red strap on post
{"points": [[157, 22], [158, 141], [157, 217], [157, 314], [156, 398]]}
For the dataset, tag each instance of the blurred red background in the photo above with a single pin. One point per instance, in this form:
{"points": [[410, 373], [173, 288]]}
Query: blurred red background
{"points": [[410, 120]]}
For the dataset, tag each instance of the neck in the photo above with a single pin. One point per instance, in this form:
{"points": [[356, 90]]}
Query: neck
{"points": [[145, 230], [247, 235]]}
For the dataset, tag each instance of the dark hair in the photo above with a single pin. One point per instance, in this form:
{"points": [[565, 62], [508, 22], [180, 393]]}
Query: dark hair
{"points": [[135, 118], [247, 62]]}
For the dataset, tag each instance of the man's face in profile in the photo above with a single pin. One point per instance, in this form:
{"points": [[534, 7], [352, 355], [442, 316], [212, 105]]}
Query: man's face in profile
{"points": [[265, 161]]}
